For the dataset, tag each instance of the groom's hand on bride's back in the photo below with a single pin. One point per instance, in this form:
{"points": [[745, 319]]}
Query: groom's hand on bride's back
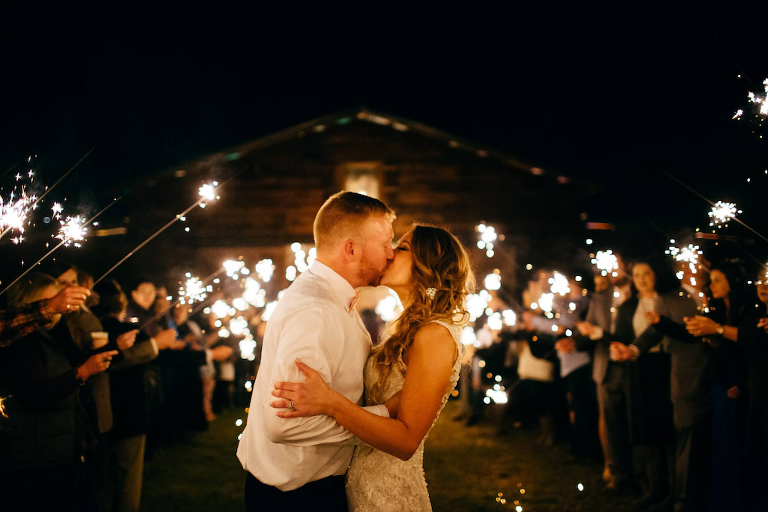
{"points": [[393, 404]]}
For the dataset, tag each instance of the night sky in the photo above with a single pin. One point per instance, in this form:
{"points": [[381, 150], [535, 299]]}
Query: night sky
{"points": [[614, 107]]}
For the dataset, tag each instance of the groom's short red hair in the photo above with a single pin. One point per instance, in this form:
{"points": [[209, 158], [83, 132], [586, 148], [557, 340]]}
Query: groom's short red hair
{"points": [[343, 215]]}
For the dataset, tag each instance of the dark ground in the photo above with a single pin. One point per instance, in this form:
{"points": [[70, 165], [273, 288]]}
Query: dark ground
{"points": [[466, 469]]}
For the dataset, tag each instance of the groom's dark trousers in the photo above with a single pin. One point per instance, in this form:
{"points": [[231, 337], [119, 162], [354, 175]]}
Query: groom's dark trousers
{"points": [[327, 494]]}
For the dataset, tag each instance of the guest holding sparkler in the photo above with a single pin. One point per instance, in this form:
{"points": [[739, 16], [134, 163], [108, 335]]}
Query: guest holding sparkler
{"points": [[129, 399], [753, 340], [727, 309], [595, 334], [16, 323], [651, 429], [691, 378], [40, 440]]}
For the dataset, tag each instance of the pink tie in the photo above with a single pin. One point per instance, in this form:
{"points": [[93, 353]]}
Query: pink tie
{"points": [[354, 301]]}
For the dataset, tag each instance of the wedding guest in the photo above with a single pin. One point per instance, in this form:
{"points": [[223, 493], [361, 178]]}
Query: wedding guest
{"points": [[727, 309], [18, 322], [75, 332], [753, 340], [651, 428], [691, 378], [40, 442], [129, 398], [595, 334]]}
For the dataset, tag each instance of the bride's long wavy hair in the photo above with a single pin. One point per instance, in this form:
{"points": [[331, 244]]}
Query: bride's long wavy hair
{"points": [[440, 262]]}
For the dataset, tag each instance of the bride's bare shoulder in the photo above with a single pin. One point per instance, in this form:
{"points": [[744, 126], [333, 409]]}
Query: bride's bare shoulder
{"points": [[434, 336]]}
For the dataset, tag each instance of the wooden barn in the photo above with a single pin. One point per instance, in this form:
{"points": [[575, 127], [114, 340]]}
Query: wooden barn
{"points": [[272, 187]]}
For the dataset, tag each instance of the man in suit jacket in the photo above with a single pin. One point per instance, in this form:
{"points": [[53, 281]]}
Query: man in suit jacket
{"points": [[595, 334], [691, 377]]}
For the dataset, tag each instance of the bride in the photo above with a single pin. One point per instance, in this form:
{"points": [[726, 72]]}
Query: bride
{"points": [[420, 362]]}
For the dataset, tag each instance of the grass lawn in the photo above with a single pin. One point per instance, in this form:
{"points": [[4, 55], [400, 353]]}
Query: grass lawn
{"points": [[466, 469]]}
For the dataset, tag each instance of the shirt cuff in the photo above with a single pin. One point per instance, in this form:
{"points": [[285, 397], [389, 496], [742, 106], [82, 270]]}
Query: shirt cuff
{"points": [[597, 333], [378, 410], [43, 309], [635, 352]]}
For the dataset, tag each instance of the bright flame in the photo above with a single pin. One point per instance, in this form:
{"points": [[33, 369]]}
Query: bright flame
{"points": [[722, 213], [193, 290], [207, 193], [389, 307], [493, 281], [475, 305], [688, 254], [220, 309], [606, 262], [559, 284], [468, 336], [265, 269], [495, 322], [510, 317], [72, 231], [546, 301]]}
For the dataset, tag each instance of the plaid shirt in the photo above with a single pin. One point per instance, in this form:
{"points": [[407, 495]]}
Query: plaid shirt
{"points": [[19, 322]]}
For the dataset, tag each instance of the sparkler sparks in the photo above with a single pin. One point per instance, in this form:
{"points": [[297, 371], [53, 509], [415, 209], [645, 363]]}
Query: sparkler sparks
{"points": [[208, 193], [232, 267], [72, 231], [475, 306], [486, 237], [493, 281], [14, 212], [57, 209], [722, 212], [194, 290], [559, 284], [606, 262], [758, 100], [389, 307], [265, 269]]}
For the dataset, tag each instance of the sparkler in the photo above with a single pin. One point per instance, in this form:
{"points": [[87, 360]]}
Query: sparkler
{"points": [[722, 212], [89, 221], [493, 281], [559, 284], [14, 212], [254, 294], [475, 306], [468, 337], [232, 268], [487, 235], [194, 290], [207, 193], [758, 100], [606, 262], [389, 307], [72, 231], [510, 317], [30, 203], [495, 323], [265, 269]]}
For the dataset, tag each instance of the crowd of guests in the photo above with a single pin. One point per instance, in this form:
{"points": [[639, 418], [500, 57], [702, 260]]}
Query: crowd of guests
{"points": [[658, 376], [94, 380]]}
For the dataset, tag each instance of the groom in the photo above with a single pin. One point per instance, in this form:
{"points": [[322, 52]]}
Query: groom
{"points": [[299, 463]]}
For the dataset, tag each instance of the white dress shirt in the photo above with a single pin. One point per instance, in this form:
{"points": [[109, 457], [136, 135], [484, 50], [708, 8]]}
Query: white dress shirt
{"points": [[312, 322]]}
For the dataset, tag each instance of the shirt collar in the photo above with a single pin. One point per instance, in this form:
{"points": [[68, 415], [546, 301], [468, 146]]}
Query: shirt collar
{"points": [[340, 286]]}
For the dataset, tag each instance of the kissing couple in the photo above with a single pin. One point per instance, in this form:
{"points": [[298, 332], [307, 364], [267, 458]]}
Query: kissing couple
{"points": [[336, 423]]}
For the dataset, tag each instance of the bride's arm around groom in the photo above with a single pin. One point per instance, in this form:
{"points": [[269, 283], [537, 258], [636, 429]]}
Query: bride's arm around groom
{"points": [[430, 362]]}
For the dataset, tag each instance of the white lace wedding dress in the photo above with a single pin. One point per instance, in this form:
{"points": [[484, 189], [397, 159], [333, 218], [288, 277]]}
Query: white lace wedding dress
{"points": [[377, 481]]}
